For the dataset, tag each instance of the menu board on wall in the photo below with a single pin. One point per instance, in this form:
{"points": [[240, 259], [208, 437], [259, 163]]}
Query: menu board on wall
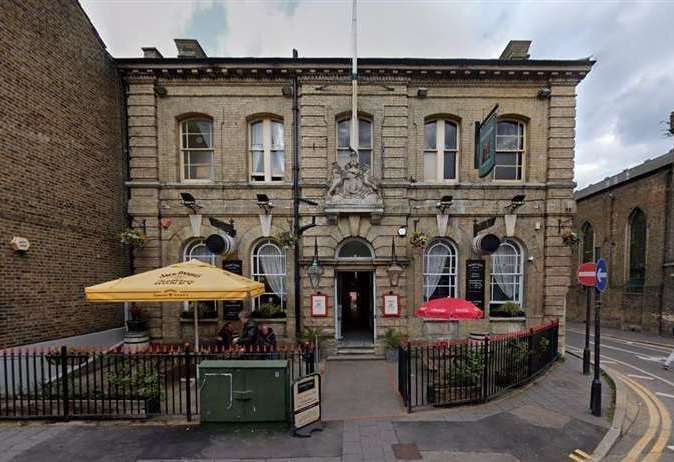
{"points": [[475, 282], [232, 308]]}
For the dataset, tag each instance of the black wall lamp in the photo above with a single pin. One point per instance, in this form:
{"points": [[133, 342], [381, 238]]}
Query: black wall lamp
{"points": [[394, 270], [315, 270], [264, 203]]}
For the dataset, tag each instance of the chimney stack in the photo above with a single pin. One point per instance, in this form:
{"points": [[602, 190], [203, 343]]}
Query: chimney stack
{"points": [[189, 48], [516, 50], [151, 52]]}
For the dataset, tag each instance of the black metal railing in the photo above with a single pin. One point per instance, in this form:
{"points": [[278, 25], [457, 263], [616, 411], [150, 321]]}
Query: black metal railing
{"points": [[473, 370], [87, 384]]}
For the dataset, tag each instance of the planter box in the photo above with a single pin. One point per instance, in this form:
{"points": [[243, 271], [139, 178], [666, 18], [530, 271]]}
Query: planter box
{"points": [[434, 329], [507, 325]]}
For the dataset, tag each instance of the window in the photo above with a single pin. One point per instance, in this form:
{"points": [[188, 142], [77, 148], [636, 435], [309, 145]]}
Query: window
{"points": [[267, 155], [364, 142], [197, 250], [637, 249], [269, 267], [507, 274], [354, 249], [587, 235], [440, 270], [196, 147], [440, 150], [509, 150]]}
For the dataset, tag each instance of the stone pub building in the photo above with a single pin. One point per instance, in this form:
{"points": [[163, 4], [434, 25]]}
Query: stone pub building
{"points": [[226, 130]]}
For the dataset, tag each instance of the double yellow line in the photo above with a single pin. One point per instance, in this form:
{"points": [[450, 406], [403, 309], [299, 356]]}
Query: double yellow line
{"points": [[659, 420]]}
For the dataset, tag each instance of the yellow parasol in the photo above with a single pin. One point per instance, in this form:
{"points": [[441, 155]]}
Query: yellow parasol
{"points": [[190, 281]]}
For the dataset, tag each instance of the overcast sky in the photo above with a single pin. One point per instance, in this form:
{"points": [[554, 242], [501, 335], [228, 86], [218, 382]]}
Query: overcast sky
{"points": [[622, 105]]}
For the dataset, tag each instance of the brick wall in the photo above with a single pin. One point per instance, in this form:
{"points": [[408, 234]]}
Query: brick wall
{"points": [[63, 172], [608, 212]]}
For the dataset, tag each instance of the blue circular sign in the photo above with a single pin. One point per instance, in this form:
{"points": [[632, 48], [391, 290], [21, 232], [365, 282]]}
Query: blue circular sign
{"points": [[602, 275]]}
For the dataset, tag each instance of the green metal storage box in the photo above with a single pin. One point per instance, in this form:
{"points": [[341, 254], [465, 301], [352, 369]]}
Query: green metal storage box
{"points": [[243, 391]]}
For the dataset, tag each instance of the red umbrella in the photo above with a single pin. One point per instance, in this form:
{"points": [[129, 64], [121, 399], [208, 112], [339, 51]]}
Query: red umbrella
{"points": [[449, 308]]}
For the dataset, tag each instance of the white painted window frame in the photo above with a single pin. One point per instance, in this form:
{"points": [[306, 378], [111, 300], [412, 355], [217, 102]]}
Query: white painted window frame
{"points": [[440, 151], [259, 275], [522, 153], [267, 150], [453, 267], [185, 151], [519, 275], [346, 149]]}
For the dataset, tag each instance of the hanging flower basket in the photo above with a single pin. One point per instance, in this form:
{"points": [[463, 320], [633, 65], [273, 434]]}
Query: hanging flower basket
{"points": [[133, 237], [286, 239], [570, 239], [419, 239]]}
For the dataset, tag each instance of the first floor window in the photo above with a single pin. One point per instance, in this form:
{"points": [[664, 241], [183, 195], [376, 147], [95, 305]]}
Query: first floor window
{"points": [[440, 150], [207, 309], [196, 147], [440, 270], [267, 151], [506, 274], [269, 267], [364, 142], [509, 150]]}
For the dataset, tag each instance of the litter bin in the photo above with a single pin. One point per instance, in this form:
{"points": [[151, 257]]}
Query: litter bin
{"points": [[243, 391]]}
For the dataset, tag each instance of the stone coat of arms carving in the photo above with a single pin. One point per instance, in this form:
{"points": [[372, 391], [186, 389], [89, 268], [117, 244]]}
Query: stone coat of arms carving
{"points": [[351, 184]]}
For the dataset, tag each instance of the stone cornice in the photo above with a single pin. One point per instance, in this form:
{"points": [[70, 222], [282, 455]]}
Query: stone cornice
{"points": [[319, 69]]}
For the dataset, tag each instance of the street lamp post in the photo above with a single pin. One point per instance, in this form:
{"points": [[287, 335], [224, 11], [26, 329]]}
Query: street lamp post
{"points": [[315, 270]]}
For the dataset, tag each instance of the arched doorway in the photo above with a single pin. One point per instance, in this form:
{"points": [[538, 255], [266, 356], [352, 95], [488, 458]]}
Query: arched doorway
{"points": [[355, 293]]}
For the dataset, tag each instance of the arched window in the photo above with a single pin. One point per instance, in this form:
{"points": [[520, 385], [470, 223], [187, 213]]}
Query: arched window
{"points": [[507, 274], [269, 267], [196, 149], [197, 250], [637, 251], [440, 275], [267, 152], [509, 150], [440, 150], [588, 242], [364, 141], [355, 249]]}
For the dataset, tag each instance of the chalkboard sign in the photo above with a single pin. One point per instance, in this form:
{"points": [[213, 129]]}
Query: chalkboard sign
{"points": [[232, 308], [475, 282]]}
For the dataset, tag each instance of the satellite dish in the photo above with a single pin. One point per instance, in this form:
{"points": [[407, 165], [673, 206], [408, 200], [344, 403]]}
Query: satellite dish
{"points": [[486, 243]]}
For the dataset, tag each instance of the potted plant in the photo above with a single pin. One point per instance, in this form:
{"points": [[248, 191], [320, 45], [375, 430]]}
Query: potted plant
{"points": [[508, 310], [133, 237], [463, 377], [205, 310], [286, 239], [518, 350], [268, 310], [143, 384], [136, 322], [570, 239], [393, 338], [419, 239], [313, 335]]}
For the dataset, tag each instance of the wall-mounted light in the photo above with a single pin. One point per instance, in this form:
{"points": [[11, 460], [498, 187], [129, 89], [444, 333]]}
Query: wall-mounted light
{"points": [[422, 92], [515, 203], [190, 202], [402, 231], [544, 93], [394, 270], [287, 90], [315, 270], [20, 244], [264, 203], [444, 204]]}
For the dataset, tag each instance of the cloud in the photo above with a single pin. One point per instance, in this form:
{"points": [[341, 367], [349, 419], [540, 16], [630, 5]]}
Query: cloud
{"points": [[620, 104]]}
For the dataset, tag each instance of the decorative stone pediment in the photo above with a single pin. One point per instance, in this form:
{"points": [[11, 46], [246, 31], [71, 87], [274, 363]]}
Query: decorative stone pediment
{"points": [[352, 191]]}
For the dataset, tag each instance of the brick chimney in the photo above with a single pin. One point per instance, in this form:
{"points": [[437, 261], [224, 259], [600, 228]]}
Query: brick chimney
{"points": [[516, 50], [151, 52], [189, 48]]}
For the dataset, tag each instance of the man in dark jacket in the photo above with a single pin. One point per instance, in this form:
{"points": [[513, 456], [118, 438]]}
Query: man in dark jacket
{"points": [[267, 338], [248, 337]]}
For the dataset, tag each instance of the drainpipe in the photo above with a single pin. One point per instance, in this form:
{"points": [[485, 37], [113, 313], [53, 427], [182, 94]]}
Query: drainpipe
{"points": [[296, 200]]}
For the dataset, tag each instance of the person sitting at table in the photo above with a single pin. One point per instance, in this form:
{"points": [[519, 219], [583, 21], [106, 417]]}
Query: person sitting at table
{"points": [[266, 338], [248, 337], [226, 336]]}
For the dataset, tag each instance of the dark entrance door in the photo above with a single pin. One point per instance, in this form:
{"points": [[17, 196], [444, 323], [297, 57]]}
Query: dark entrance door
{"points": [[355, 300]]}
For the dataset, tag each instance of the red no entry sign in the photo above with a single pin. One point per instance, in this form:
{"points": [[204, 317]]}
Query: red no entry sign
{"points": [[587, 274]]}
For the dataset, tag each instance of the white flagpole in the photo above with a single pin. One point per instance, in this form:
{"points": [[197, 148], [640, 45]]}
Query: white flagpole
{"points": [[354, 77]]}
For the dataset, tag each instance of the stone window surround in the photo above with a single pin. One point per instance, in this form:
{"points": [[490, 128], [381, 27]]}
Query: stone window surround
{"points": [[262, 117], [524, 122], [183, 150], [454, 255], [522, 271], [445, 118]]}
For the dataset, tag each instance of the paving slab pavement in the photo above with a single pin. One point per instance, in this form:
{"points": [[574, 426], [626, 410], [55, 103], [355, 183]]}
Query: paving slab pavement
{"points": [[545, 420]]}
